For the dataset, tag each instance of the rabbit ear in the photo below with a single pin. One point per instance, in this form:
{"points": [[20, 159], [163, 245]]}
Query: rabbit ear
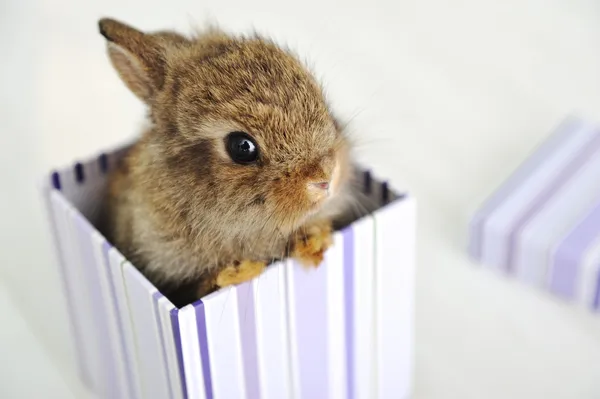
{"points": [[139, 58]]}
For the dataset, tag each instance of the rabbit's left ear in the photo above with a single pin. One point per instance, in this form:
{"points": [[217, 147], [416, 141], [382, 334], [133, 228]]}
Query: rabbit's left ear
{"points": [[139, 58]]}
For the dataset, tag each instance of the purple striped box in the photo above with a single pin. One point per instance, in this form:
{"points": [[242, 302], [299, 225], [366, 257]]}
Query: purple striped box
{"points": [[341, 331], [543, 224]]}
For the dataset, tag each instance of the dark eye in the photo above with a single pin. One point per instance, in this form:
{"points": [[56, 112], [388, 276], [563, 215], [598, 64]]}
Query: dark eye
{"points": [[241, 147]]}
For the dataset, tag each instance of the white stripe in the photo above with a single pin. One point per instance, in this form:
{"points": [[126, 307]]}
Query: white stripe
{"points": [[190, 350], [364, 353], [109, 308], [83, 300], [139, 294], [271, 333], [336, 343], [224, 344], [292, 328], [116, 264], [85, 262], [588, 276], [74, 282], [164, 310], [286, 327], [395, 253]]}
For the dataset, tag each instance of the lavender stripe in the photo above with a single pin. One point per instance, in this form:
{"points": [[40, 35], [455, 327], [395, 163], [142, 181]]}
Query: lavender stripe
{"points": [[103, 162], [56, 180], [155, 297], [310, 302], [349, 311], [177, 338], [246, 317], [79, 173], [570, 252], [203, 341], [561, 134], [536, 205], [368, 182], [74, 323], [113, 292], [385, 193], [597, 297]]}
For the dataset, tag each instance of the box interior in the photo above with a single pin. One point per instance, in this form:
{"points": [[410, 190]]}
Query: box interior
{"points": [[84, 185]]}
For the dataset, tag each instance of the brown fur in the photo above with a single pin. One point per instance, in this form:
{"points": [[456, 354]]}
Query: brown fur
{"points": [[179, 208]]}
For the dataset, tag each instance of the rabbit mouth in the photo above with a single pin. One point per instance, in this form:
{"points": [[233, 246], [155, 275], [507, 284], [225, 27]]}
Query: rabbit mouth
{"points": [[316, 206]]}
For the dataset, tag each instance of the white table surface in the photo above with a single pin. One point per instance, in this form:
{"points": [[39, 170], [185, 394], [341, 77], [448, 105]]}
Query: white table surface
{"points": [[447, 98]]}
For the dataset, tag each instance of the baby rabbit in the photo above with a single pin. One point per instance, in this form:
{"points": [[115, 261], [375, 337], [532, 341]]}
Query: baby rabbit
{"points": [[243, 162]]}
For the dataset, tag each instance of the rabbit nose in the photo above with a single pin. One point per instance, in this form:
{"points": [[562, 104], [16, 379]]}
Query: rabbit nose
{"points": [[324, 185], [318, 191]]}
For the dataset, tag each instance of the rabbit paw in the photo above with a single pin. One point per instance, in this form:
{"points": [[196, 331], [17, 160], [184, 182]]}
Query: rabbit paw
{"points": [[311, 242], [239, 272]]}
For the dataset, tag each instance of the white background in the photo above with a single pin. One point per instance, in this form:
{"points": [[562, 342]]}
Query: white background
{"points": [[447, 98]]}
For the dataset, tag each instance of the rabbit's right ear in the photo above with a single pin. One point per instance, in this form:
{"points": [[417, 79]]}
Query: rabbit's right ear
{"points": [[139, 58]]}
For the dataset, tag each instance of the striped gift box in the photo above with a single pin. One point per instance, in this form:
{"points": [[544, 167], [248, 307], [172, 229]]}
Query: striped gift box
{"points": [[543, 225], [344, 330]]}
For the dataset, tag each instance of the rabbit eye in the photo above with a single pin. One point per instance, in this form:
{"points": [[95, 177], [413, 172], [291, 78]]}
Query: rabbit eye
{"points": [[241, 148]]}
